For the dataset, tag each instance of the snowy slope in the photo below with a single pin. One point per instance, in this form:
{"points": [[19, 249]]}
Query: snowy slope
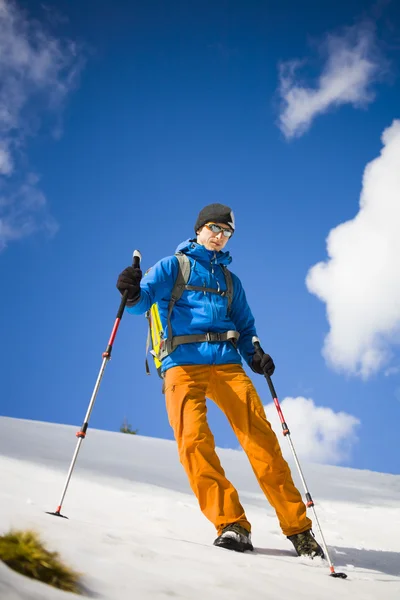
{"points": [[135, 530]]}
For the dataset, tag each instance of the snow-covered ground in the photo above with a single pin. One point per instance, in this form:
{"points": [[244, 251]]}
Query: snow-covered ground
{"points": [[135, 530]]}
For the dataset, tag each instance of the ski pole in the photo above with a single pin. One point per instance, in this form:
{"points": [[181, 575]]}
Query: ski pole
{"points": [[286, 433], [81, 434]]}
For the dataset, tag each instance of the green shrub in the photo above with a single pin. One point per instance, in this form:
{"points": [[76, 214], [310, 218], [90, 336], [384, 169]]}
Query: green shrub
{"points": [[24, 552], [127, 428]]}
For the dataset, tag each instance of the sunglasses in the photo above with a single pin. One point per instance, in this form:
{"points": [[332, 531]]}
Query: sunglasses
{"points": [[217, 229]]}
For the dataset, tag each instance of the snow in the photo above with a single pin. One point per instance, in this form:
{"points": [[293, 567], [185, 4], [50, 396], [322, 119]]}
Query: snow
{"points": [[135, 531]]}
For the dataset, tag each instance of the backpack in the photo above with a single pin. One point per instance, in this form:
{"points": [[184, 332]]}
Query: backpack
{"points": [[161, 346]]}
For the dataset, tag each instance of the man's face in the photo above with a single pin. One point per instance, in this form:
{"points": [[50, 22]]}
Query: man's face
{"points": [[211, 240]]}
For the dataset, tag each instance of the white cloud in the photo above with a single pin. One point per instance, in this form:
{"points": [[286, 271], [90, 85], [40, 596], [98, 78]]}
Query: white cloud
{"points": [[318, 433], [24, 212], [353, 63], [6, 164], [37, 71], [392, 371], [360, 281]]}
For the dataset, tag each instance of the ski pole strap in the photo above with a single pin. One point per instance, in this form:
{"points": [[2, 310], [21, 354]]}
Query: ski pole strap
{"points": [[168, 346]]}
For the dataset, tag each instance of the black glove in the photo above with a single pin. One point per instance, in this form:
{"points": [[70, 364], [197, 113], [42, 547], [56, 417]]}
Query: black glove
{"points": [[264, 365], [129, 280]]}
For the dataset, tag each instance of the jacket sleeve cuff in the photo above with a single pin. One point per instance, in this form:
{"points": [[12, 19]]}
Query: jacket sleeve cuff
{"points": [[134, 300]]}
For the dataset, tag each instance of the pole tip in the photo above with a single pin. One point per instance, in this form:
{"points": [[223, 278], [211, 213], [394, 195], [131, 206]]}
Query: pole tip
{"points": [[56, 514]]}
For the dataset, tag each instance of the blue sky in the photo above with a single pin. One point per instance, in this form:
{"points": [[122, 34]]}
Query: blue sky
{"points": [[121, 120]]}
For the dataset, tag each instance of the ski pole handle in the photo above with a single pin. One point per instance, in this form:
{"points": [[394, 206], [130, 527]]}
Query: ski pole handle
{"points": [[136, 259], [257, 347]]}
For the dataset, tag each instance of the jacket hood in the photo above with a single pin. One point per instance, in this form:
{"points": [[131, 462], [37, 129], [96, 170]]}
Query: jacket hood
{"points": [[199, 252]]}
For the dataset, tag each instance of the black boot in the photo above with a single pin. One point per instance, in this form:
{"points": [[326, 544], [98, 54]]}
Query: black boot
{"points": [[234, 537], [305, 544]]}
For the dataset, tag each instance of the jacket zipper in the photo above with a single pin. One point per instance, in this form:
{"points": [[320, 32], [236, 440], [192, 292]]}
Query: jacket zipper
{"points": [[213, 279]]}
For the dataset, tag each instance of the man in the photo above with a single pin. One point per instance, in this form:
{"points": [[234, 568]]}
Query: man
{"points": [[208, 364]]}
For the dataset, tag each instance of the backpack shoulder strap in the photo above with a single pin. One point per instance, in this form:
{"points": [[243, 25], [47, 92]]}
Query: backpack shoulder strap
{"points": [[177, 291], [229, 286], [165, 346], [182, 278]]}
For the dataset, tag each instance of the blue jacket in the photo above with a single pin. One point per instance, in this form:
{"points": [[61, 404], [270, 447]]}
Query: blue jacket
{"points": [[199, 312]]}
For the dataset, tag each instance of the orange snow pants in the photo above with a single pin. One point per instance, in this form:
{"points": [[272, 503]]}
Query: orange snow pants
{"points": [[186, 389]]}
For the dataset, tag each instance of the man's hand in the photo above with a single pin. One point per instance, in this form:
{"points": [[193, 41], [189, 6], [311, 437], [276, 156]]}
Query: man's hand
{"points": [[264, 365], [129, 280]]}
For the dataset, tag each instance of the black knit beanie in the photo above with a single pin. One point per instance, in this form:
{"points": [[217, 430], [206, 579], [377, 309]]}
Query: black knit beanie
{"points": [[216, 213]]}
